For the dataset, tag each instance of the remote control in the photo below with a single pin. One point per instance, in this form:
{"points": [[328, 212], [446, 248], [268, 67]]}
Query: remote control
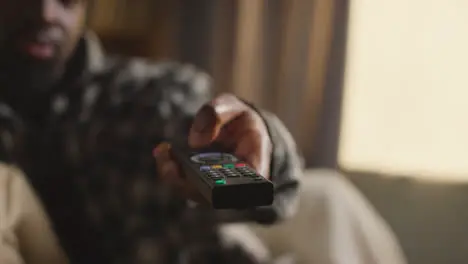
{"points": [[225, 181]]}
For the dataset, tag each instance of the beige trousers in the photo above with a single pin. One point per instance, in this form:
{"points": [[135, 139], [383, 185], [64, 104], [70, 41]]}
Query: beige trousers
{"points": [[25, 233], [334, 225]]}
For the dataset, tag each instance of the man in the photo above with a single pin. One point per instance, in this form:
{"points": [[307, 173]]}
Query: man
{"points": [[83, 181], [83, 127]]}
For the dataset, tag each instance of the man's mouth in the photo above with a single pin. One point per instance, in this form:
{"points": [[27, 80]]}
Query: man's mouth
{"points": [[41, 45], [39, 50]]}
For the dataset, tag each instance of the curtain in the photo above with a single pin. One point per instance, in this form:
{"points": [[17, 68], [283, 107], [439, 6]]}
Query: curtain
{"points": [[274, 53], [279, 61]]}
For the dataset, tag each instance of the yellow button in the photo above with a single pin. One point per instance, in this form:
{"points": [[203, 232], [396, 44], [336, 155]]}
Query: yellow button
{"points": [[216, 166]]}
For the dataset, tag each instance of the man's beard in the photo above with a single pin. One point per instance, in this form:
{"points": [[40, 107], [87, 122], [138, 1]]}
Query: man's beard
{"points": [[23, 72], [18, 71]]}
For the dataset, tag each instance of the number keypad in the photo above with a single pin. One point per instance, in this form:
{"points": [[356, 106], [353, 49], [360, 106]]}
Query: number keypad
{"points": [[230, 173], [218, 173], [214, 175]]}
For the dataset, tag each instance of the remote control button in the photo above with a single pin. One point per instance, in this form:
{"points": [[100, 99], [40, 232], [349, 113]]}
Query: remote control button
{"points": [[240, 165], [213, 157], [204, 168], [207, 157], [249, 171], [216, 167], [220, 182], [229, 158], [218, 179], [229, 166]]}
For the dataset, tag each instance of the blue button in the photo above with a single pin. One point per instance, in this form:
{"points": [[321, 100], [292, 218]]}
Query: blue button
{"points": [[205, 168]]}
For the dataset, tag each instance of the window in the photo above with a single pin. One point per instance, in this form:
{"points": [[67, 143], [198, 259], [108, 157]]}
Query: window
{"points": [[405, 108]]}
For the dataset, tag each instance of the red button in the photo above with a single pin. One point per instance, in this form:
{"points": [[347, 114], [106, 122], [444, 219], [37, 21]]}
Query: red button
{"points": [[240, 165]]}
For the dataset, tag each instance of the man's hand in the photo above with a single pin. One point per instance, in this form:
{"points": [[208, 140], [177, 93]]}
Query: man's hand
{"points": [[230, 122]]}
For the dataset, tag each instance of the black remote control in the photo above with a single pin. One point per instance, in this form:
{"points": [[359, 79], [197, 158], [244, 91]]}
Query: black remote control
{"points": [[225, 181]]}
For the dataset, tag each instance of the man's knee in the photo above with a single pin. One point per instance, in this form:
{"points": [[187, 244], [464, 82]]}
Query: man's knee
{"points": [[10, 214], [241, 235], [25, 230]]}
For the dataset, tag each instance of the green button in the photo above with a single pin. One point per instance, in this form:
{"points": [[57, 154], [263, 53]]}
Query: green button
{"points": [[229, 166], [220, 182]]}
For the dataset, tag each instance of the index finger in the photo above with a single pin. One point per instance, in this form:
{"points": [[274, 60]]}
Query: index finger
{"points": [[212, 117]]}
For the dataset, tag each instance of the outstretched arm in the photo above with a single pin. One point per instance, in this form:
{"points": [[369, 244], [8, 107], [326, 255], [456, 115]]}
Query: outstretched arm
{"points": [[190, 94]]}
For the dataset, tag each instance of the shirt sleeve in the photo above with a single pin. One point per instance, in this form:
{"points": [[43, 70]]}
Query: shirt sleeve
{"points": [[190, 89], [286, 170]]}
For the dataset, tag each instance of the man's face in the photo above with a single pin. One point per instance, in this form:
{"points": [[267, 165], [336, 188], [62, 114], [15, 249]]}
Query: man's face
{"points": [[38, 36]]}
